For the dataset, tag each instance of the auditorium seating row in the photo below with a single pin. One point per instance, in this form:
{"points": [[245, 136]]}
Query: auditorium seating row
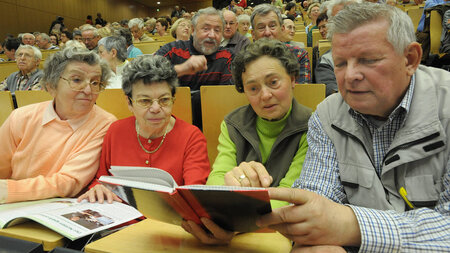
{"points": [[217, 102]]}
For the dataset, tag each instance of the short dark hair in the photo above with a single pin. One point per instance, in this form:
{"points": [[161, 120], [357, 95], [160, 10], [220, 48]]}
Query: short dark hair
{"points": [[12, 43], [68, 34], [289, 6], [321, 17], [263, 47], [163, 22]]}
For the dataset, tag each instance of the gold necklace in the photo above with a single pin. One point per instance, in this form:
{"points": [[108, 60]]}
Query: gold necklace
{"points": [[139, 140]]}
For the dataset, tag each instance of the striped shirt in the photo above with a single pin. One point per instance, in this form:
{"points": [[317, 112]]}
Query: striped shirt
{"points": [[381, 231]]}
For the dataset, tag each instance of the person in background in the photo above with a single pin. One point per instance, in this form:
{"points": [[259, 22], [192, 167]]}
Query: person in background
{"points": [[290, 11], [262, 144], [54, 40], [28, 39], [445, 37], [199, 61], [288, 30], [181, 29], [65, 36], [313, 12], [376, 177], [99, 20], [266, 21], [152, 137], [29, 75], [232, 40], [57, 25], [150, 25], [322, 21], [161, 26], [244, 25], [43, 42], [89, 20], [77, 36], [113, 49], [176, 12], [62, 138], [132, 51], [90, 37], [11, 45], [136, 26]]}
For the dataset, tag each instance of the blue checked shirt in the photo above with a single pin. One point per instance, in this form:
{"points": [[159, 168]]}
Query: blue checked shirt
{"points": [[381, 231]]}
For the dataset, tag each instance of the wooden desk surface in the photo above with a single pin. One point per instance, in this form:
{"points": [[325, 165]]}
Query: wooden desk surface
{"points": [[154, 236], [35, 232]]}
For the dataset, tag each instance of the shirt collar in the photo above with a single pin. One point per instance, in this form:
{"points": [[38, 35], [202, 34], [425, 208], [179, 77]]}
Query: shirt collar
{"points": [[50, 115], [29, 74]]}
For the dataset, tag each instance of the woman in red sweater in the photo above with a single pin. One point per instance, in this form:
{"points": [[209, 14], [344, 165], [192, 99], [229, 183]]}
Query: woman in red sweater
{"points": [[153, 137]]}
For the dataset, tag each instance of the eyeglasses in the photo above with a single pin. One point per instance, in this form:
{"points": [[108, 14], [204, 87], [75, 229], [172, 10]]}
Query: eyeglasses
{"points": [[87, 39], [78, 84], [147, 102], [262, 27]]}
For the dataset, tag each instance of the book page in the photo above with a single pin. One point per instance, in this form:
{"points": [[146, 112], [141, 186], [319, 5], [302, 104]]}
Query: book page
{"points": [[144, 174], [70, 218], [144, 183], [221, 188]]}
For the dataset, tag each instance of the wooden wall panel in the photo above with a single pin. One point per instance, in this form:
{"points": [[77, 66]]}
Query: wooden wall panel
{"points": [[8, 18]]}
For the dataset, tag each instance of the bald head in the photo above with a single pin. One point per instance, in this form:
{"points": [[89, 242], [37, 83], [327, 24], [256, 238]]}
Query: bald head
{"points": [[230, 24]]}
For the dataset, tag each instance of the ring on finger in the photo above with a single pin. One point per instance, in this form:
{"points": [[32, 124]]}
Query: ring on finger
{"points": [[241, 177]]}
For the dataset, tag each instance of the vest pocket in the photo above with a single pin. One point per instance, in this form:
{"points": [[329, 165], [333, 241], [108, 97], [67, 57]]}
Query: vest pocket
{"points": [[355, 176], [422, 190]]}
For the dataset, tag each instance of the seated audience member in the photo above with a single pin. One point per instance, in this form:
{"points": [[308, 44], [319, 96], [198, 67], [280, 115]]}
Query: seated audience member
{"points": [[262, 144], [161, 26], [290, 11], [149, 26], [244, 25], [29, 75], [54, 40], [428, 4], [239, 10], [377, 173], [113, 49], [445, 37], [187, 15], [89, 20], [99, 20], [77, 36], [181, 29], [199, 61], [312, 12], [65, 36], [10, 47], [104, 32], [153, 137], [132, 51], [232, 40], [28, 39], [61, 138], [232, 6], [43, 42], [266, 21], [288, 30], [322, 21], [90, 37], [136, 26]]}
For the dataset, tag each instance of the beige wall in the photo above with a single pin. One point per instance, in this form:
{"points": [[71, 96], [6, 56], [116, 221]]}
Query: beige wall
{"points": [[17, 16]]}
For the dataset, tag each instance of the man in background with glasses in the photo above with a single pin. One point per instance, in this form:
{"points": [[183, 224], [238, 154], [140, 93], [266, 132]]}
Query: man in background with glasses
{"points": [[232, 39], [90, 37]]}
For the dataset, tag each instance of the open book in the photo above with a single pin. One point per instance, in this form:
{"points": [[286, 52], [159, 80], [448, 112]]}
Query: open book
{"points": [[156, 195], [68, 217]]}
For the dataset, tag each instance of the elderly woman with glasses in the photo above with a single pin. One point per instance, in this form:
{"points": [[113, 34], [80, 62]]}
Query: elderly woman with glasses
{"points": [[52, 149], [153, 137], [262, 144]]}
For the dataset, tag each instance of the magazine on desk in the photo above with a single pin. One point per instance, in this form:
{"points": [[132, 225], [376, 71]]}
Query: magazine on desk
{"points": [[156, 195], [68, 217]]}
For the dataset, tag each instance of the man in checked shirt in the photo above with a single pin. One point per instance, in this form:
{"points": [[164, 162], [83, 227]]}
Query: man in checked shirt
{"points": [[28, 77], [376, 177]]}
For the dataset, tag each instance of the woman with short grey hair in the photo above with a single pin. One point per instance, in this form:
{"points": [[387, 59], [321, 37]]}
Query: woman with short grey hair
{"points": [[153, 137], [113, 49], [52, 149]]}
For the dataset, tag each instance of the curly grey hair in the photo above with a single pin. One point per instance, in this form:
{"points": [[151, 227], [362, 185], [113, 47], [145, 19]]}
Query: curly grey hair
{"points": [[136, 21], [400, 32], [263, 10], [118, 43], [150, 69], [57, 63], [263, 47]]}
